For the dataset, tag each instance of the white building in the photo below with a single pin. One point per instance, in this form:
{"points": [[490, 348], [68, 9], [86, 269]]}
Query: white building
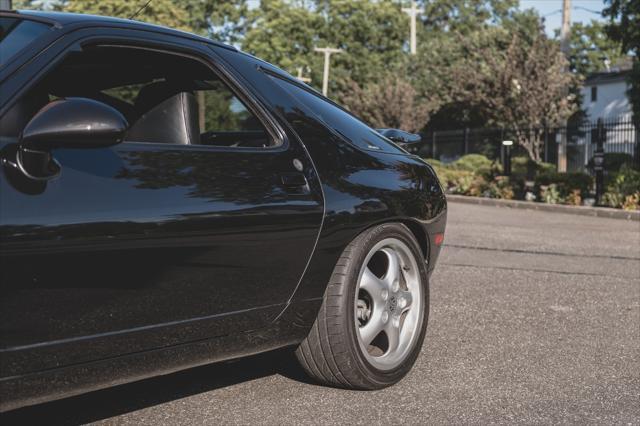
{"points": [[604, 95]]}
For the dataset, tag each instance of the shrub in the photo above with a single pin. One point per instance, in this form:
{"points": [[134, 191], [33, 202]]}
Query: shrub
{"points": [[476, 175], [500, 187], [624, 189], [613, 161], [550, 194], [565, 183], [524, 166], [574, 198], [452, 180], [473, 163]]}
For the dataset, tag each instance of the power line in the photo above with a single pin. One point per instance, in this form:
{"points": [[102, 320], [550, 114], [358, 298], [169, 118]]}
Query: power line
{"points": [[141, 9]]}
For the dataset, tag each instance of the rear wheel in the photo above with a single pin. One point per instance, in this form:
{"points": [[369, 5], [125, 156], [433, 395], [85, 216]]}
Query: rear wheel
{"points": [[373, 318]]}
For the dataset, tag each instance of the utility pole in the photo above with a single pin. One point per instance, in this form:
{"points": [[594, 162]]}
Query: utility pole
{"points": [[565, 38], [325, 76], [5, 4], [413, 12], [301, 78]]}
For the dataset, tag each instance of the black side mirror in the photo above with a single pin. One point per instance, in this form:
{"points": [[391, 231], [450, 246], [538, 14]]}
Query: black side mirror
{"points": [[67, 123], [400, 136]]}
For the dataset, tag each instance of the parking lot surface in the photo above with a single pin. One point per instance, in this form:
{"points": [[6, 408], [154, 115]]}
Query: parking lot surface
{"points": [[535, 318]]}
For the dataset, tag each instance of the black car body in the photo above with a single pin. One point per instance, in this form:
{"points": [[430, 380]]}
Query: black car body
{"points": [[143, 258]]}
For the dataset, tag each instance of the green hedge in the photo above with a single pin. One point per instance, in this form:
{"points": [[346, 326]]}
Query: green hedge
{"points": [[476, 175]]}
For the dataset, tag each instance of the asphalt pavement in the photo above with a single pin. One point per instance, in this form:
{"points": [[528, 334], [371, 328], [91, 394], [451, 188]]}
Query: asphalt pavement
{"points": [[535, 319]]}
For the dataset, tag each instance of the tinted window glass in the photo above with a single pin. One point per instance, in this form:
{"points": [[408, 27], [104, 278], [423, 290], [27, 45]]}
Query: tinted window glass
{"points": [[165, 98], [16, 34], [223, 111], [348, 126]]}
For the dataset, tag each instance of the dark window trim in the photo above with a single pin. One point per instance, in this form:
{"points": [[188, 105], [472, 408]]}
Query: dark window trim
{"points": [[28, 17], [37, 44]]}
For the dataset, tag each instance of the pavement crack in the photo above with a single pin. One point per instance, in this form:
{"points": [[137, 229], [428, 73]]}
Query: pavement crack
{"points": [[507, 268], [537, 252]]}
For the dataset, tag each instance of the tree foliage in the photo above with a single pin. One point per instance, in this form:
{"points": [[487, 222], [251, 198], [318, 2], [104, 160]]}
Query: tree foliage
{"points": [[521, 88], [222, 20], [161, 12], [391, 103], [624, 27], [371, 34], [464, 16], [590, 47]]}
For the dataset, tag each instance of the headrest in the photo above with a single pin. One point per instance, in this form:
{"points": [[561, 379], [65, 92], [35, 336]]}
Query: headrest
{"points": [[173, 121]]}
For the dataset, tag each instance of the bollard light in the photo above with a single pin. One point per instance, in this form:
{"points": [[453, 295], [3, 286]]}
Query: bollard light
{"points": [[506, 159]]}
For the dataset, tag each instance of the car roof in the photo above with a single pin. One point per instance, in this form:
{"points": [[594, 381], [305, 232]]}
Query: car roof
{"points": [[64, 18]]}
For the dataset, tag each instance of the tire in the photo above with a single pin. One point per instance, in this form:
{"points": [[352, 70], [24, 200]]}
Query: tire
{"points": [[335, 352]]}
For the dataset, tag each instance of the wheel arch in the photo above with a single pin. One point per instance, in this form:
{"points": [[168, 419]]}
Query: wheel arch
{"points": [[420, 233]]}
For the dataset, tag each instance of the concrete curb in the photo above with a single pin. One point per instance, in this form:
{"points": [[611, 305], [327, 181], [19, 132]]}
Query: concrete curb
{"points": [[557, 208]]}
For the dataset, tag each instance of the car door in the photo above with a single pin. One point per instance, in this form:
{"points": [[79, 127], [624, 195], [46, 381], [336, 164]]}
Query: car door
{"points": [[145, 245]]}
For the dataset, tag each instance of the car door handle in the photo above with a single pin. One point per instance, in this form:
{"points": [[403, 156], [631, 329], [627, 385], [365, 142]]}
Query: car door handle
{"points": [[294, 182]]}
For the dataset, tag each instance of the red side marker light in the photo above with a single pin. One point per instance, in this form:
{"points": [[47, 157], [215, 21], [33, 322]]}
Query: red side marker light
{"points": [[438, 239]]}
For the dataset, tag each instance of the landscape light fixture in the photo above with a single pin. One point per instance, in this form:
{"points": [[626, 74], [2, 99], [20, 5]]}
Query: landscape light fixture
{"points": [[506, 157]]}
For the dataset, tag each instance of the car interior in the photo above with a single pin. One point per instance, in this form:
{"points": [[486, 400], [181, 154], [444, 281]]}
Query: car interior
{"points": [[166, 98]]}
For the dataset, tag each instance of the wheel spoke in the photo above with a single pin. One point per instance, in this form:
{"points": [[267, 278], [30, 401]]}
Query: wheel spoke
{"points": [[393, 270], [371, 329], [392, 331], [373, 285], [405, 300]]}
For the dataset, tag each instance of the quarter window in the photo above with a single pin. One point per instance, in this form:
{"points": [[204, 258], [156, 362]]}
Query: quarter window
{"points": [[345, 124]]}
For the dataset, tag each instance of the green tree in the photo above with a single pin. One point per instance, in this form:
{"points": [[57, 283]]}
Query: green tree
{"points": [[371, 34], [221, 20], [590, 47], [520, 88], [161, 12], [443, 48], [624, 27], [391, 103], [285, 34], [463, 16]]}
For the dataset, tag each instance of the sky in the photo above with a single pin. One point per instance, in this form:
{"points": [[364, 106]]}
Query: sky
{"points": [[581, 11]]}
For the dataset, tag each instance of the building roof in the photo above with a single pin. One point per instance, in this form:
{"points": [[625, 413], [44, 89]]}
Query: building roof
{"points": [[599, 78]]}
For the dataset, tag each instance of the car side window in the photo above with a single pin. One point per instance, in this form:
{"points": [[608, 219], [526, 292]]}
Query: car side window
{"points": [[345, 124], [166, 97], [223, 116]]}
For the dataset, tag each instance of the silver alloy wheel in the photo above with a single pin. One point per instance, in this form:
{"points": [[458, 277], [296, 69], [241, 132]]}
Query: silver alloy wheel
{"points": [[388, 304]]}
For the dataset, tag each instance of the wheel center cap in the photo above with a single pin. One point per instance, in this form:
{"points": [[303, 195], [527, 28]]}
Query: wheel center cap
{"points": [[393, 303]]}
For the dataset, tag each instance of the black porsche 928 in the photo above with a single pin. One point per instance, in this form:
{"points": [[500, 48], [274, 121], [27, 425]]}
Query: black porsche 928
{"points": [[167, 201]]}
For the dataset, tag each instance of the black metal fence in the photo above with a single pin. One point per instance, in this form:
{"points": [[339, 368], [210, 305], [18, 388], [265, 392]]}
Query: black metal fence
{"points": [[621, 136]]}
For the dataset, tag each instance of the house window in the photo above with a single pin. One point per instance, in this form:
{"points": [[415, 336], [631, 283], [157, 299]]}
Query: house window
{"points": [[594, 93]]}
